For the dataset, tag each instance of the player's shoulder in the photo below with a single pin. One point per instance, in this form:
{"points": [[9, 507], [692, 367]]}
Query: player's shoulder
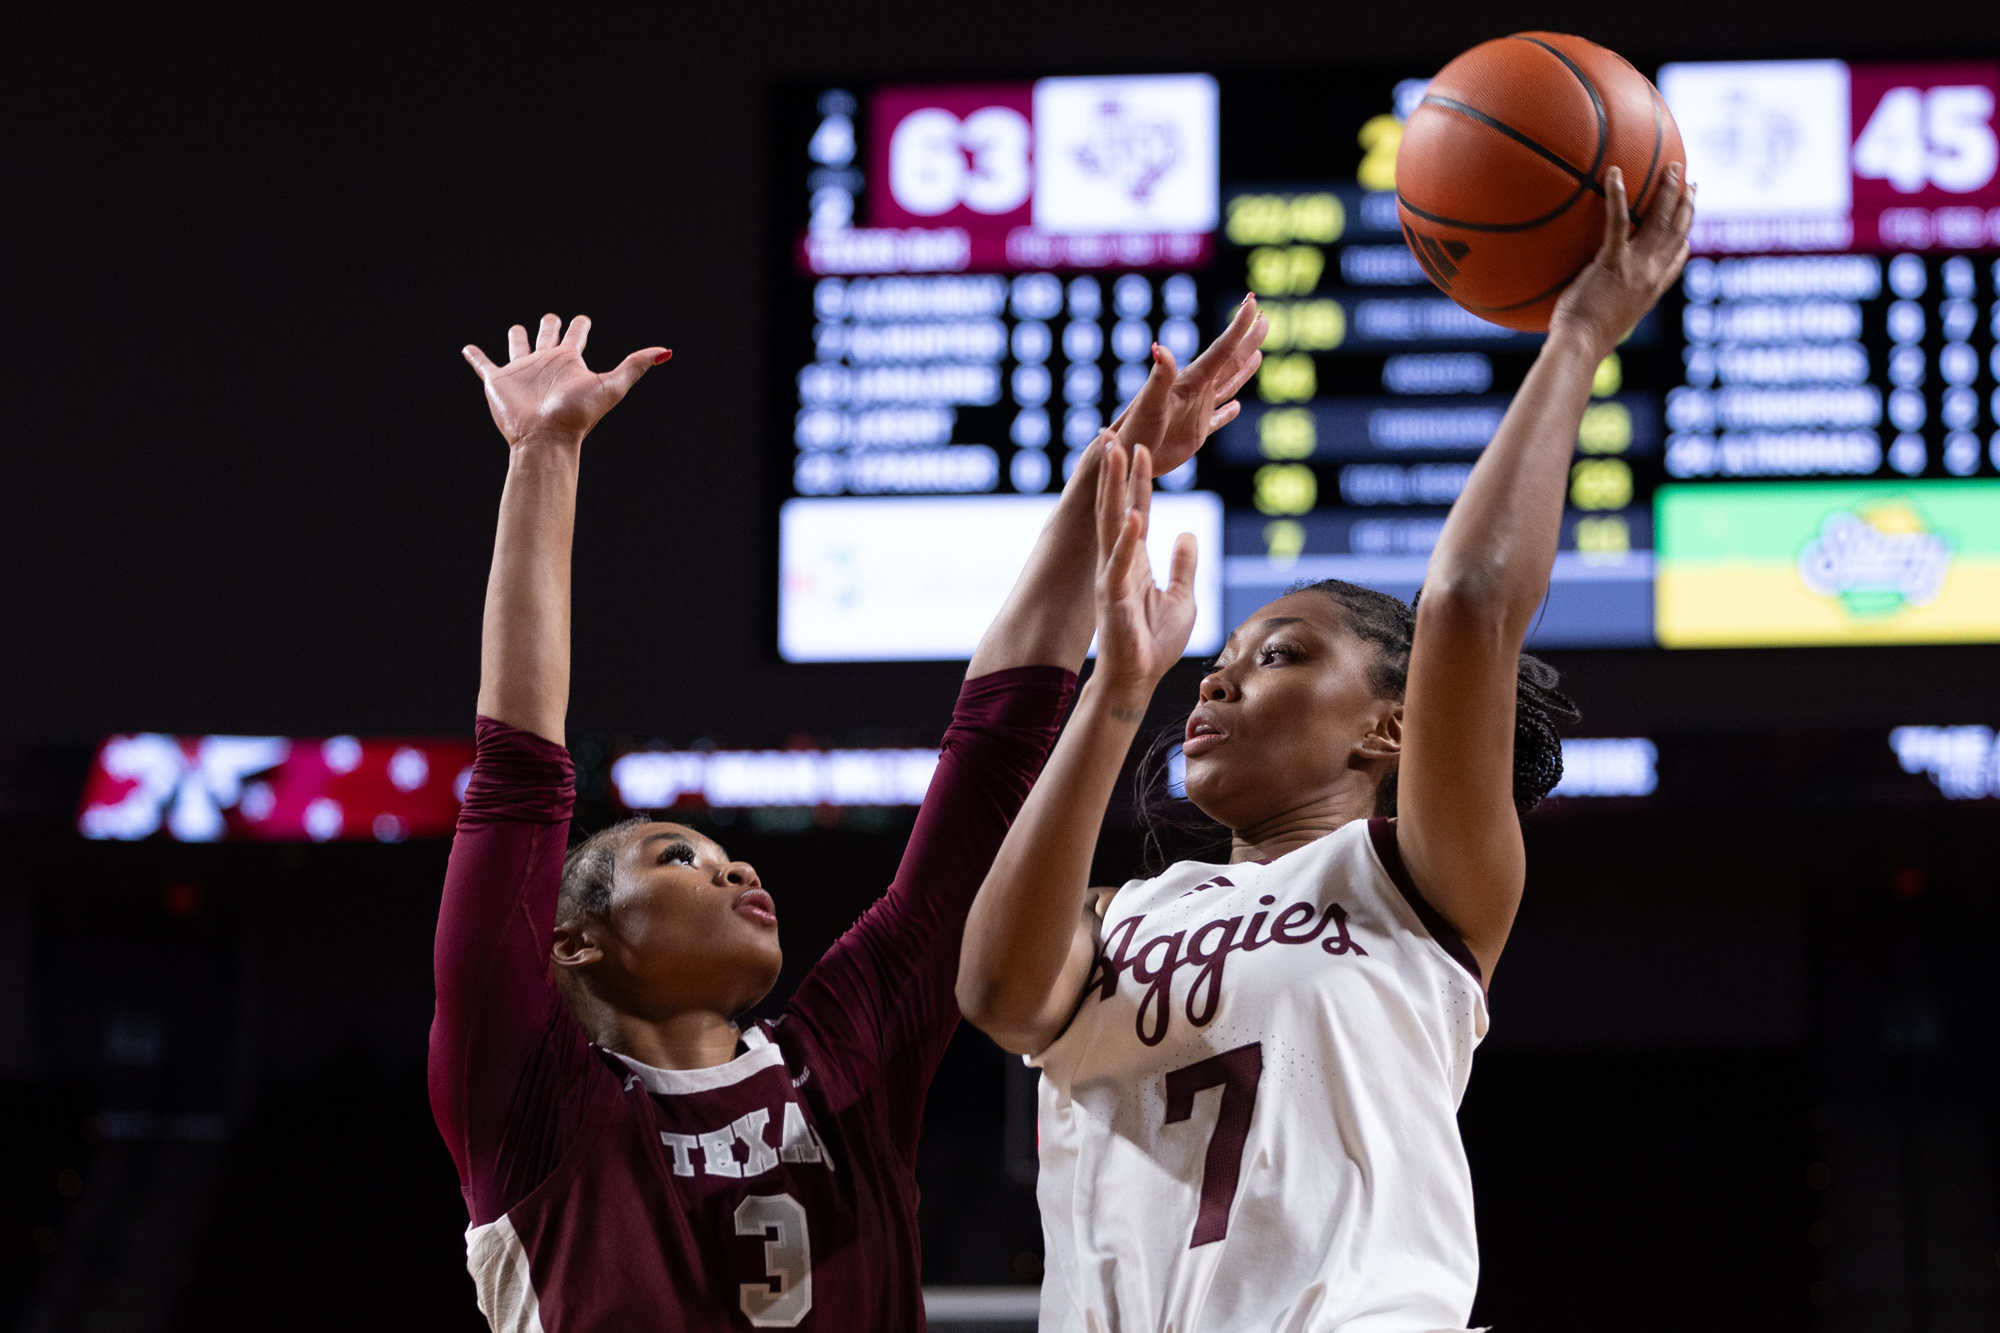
{"points": [[816, 1062]]}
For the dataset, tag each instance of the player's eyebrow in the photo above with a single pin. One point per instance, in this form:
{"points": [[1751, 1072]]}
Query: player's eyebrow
{"points": [[690, 838], [1271, 624]]}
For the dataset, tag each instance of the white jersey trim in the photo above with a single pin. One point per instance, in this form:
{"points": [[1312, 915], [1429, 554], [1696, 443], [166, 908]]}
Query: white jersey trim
{"points": [[761, 1055], [498, 1263]]}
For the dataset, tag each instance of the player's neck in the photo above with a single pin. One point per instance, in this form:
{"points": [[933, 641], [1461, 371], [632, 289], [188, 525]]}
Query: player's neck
{"points": [[1287, 830], [696, 1039]]}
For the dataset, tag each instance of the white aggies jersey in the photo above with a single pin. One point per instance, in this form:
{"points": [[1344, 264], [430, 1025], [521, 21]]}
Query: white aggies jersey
{"points": [[1251, 1122]]}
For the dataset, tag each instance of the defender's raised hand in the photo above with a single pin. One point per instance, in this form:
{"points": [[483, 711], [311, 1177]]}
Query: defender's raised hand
{"points": [[1633, 269], [549, 391], [1142, 629], [1179, 409]]}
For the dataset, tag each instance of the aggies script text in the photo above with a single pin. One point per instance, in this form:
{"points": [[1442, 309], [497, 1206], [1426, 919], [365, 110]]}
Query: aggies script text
{"points": [[1208, 947]]}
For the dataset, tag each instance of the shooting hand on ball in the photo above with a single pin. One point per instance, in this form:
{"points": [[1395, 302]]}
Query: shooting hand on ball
{"points": [[1633, 269]]}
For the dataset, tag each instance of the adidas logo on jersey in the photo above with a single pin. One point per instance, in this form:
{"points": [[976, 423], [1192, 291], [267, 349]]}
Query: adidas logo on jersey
{"points": [[1208, 947], [800, 1143]]}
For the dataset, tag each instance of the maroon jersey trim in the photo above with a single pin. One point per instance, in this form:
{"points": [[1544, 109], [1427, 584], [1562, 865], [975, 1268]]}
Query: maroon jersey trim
{"points": [[1382, 835]]}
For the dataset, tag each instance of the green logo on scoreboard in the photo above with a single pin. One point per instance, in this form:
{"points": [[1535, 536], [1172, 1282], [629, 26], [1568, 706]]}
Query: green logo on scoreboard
{"points": [[1827, 563]]}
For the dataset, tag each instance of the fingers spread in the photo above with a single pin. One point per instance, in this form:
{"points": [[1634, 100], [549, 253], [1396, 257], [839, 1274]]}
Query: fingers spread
{"points": [[578, 335], [1246, 315], [1150, 402], [626, 373], [1127, 562], [1180, 574], [478, 360], [1617, 217], [517, 343], [545, 336], [1225, 348], [1657, 231], [1684, 213], [1223, 415], [1111, 491], [1142, 485], [1239, 375]]}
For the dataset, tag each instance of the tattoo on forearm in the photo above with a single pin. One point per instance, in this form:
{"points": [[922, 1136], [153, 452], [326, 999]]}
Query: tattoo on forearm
{"points": [[1133, 715]]}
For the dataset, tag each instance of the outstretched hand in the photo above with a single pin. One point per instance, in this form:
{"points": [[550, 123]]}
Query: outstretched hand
{"points": [[1142, 629], [1179, 409], [549, 391], [1632, 270]]}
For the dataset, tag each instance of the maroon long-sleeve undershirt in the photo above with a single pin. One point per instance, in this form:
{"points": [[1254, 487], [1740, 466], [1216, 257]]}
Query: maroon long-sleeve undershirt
{"points": [[513, 1079]]}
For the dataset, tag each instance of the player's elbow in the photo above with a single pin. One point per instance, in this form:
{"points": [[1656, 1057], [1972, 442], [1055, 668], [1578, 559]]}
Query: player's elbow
{"points": [[986, 1003], [981, 997], [1485, 599]]}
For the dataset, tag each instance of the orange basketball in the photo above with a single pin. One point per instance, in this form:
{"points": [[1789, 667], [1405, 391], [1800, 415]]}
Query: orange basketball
{"points": [[1500, 176]]}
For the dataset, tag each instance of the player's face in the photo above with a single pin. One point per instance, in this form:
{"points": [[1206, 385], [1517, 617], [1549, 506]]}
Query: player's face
{"points": [[688, 927], [1288, 716]]}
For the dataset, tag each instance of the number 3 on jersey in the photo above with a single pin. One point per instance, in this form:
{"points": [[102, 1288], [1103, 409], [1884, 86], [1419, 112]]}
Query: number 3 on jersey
{"points": [[1237, 1073], [786, 1295]]}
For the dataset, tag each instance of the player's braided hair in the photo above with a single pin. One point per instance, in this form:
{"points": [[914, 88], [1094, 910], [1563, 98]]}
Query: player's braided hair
{"points": [[587, 872], [1390, 624]]}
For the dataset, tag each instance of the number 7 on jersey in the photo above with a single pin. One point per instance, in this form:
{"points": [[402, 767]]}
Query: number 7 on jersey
{"points": [[1237, 1073]]}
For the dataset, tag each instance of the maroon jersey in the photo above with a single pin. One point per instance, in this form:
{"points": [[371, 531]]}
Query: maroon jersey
{"points": [[775, 1191]]}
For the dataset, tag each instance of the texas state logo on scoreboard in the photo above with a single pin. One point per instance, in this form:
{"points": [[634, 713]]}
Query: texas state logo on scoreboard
{"points": [[1075, 173], [1807, 155]]}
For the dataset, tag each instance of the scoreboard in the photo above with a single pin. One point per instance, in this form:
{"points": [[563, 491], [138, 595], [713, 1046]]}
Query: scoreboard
{"points": [[1799, 446]]}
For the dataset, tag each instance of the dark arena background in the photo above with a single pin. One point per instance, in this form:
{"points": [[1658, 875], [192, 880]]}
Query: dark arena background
{"points": [[1741, 1072]]}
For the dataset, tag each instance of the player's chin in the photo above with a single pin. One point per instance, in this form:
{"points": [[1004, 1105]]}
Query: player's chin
{"points": [[761, 965], [1225, 784], [1212, 774], [754, 940]]}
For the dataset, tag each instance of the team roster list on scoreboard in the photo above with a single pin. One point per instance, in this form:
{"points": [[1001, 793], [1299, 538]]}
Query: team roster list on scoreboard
{"points": [[1798, 446]]}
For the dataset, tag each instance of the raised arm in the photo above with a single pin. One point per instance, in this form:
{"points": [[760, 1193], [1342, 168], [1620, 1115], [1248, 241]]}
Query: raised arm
{"points": [[885, 991], [501, 1066], [1048, 618], [1457, 827], [1028, 942], [544, 402]]}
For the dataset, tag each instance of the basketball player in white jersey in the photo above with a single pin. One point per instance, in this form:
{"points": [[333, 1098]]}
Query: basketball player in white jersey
{"points": [[1251, 1071]]}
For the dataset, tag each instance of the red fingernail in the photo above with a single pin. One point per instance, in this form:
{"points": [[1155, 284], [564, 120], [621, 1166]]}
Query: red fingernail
{"points": [[667, 355]]}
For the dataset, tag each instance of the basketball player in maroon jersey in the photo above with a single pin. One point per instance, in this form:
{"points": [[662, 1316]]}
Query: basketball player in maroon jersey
{"points": [[631, 1155]]}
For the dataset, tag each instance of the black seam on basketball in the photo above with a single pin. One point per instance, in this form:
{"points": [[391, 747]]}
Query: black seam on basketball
{"points": [[1659, 136], [1518, 305], [1597, 102], [1575, 172], [1529, 225]]}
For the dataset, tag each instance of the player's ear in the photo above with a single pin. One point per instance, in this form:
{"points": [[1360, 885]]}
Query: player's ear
{"points": [[1383, 740], [575, 945]]}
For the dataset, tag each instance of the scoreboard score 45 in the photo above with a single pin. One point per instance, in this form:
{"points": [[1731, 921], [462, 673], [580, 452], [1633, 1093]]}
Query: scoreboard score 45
{"points": [[1800, 446]]}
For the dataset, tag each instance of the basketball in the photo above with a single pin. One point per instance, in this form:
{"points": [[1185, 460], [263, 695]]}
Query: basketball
{"points": [[1500, 175]]}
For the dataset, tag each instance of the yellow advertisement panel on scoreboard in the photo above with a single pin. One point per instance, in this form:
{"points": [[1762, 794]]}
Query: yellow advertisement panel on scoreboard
{"points": [[1827, 563]]}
